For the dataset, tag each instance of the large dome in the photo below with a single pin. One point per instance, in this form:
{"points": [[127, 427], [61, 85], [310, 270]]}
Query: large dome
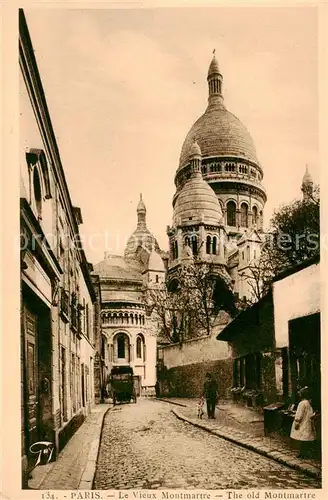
{"points": [[219, 133], [197, 202]]}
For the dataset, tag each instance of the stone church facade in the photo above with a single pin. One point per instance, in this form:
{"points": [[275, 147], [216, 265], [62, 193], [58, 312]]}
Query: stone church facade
{"points": [[219, 200], [128, 333]]}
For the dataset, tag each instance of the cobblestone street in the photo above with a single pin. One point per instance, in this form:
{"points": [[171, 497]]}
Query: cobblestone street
{"points": [[144, 446]]}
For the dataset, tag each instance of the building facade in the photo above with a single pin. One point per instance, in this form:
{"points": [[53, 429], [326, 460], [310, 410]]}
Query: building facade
{"points": [[276, 343], [128, 332], [57, 295]]}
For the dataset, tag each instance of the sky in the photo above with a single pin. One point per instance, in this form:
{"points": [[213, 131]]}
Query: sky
{"points": [[124, 86]]}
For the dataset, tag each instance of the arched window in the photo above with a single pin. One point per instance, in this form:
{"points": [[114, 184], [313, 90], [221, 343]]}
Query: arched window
{"points": [[139, 348], [121, 346], [254, 216], [136, 318], [157, 279], [208, 244], [131, 317], [214, 243], [231, 213], [37, 191], [194, 245], [187, 241], [244, 215]]}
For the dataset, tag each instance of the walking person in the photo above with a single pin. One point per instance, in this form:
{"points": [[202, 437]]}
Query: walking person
{"points": [[303, 429], [210, 394]]}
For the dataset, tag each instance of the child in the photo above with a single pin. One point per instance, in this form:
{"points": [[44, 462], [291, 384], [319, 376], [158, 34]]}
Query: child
{"points": [[200, 405], [303, 429]]}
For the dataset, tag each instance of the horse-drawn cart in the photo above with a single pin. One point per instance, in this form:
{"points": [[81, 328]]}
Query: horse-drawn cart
{"points": [[122, 385]]}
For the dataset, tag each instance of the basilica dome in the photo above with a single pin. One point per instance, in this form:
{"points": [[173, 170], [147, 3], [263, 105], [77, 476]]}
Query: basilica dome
{"points": [[196, 201], [218, 132]]}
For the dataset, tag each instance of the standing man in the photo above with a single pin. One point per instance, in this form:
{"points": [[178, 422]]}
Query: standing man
{"points": [[211, 394]]}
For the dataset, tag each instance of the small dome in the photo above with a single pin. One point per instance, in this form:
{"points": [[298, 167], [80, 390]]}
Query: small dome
{"points": [[307, 179], [155, 262], [197, 202], [195, 150], [214, 68]]}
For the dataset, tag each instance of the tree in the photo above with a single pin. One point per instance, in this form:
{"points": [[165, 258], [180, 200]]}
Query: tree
{"points": [[294, 236], [191, 300]]}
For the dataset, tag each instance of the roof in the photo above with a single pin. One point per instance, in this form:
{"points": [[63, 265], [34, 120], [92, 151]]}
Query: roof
{"points": [[115, 267], [195, 150], [219, 133], [248, 236], [197, 202], [244, 317], [155, 262], [214, 68], [141, 205]]}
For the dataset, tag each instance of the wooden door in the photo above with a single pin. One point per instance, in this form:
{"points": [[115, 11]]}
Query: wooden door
{"points": [[31, 356]]}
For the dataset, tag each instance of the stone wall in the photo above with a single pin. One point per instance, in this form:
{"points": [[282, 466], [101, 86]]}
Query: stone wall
{"points": [[199, 350], [183, 366], [187, 381]]}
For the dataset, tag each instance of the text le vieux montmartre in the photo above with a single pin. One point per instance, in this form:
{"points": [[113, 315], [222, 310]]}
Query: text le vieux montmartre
{"points": [[228, 495]]}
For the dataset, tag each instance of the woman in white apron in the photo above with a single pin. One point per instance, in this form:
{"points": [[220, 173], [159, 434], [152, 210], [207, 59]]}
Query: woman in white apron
{"points": [[303, 429]]}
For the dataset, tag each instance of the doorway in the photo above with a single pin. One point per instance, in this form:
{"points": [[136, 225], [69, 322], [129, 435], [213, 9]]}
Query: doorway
{"points": [[304, 350], [36, 369]]}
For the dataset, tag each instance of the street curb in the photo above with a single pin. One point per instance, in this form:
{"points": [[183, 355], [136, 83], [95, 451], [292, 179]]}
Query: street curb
{"points": [[171, 402], [87, 478], [280, 457]]}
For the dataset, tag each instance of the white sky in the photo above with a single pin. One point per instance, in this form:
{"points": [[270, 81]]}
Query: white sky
{"points": [[124, 86]]}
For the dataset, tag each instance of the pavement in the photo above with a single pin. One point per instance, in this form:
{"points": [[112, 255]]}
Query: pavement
{"points": [[245, 427], [75, 466], [90, 450], [144, 446]]}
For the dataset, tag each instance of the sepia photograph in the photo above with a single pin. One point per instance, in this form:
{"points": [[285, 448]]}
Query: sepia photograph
{"points": [[169, 250]]}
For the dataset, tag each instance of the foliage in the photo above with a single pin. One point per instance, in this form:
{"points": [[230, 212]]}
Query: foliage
{"points": [[294, 237], [188, 305]]}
